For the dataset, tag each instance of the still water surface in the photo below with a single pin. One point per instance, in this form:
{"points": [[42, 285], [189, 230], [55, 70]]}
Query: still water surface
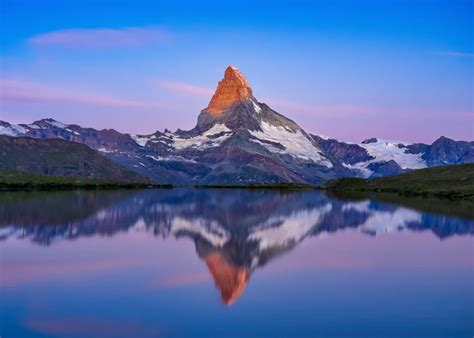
{"points": [[232, 263]]}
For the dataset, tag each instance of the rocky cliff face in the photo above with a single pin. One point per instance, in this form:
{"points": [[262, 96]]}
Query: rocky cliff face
{"points": [[231, 90], [239, 140]]}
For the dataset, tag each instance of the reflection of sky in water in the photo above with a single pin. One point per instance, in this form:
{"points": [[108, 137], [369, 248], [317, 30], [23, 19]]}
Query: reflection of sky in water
{"points": [[148, 263]]}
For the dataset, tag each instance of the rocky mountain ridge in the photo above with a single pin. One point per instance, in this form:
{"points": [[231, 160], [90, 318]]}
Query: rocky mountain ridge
{"points": [[239, 140]]}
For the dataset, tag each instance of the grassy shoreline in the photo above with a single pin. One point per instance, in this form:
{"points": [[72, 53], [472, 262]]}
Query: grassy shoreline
{"points": [[11, 180], [454, 182]]}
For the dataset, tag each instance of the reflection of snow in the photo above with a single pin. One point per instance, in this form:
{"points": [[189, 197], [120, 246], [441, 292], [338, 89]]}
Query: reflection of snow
{"points": [[357, 206], [291, 229], [139, 225], [385, 221], [209, 230], [11, 232]]}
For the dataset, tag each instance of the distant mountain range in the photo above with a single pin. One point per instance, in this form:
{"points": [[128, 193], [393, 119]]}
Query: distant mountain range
{"points": [[239, 140]]}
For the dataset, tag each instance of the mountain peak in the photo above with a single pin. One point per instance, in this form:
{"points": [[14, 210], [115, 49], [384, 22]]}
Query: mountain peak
{"points": [[232, 89]]}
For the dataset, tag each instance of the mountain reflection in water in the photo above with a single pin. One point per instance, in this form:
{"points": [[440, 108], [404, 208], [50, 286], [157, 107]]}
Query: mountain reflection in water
{"points": [[234, 231]]}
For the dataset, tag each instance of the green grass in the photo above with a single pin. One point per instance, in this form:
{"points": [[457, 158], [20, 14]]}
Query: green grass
{"points": [[453, 182], [17, 180]]}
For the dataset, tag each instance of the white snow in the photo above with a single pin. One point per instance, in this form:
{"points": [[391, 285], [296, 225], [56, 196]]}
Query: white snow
{"points": [[295, 143], [72, 131], [384, 151], [171, 158], [209, 230], [325, 137], [256, 107], [140, 140], [204, 140], [57, 124], [361, 167], [12, 130], [33, 126], [105, 150], [291, 229]]}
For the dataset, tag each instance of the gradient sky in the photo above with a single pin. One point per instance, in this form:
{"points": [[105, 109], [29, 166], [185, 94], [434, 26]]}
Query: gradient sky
{"points": [[399, 70]]}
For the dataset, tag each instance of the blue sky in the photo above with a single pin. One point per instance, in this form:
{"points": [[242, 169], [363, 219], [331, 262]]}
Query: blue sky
{"points": [[398, 70]]}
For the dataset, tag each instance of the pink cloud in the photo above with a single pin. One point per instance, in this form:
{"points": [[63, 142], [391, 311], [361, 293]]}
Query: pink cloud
{"points": [[185, 88], [99, 38], [27, 91]]}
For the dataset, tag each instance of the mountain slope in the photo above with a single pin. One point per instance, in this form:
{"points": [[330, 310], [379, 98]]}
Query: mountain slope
{"points": [[239, 140], [60, 158], [377, 158], [244, 141]]}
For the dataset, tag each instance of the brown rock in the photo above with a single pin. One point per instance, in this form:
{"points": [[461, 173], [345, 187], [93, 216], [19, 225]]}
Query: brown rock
{"points": [[231, 90]]}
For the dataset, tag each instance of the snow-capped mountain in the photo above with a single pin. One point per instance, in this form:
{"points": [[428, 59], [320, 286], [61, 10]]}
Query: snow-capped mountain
{"points": [[239, 140], [375, 157]]}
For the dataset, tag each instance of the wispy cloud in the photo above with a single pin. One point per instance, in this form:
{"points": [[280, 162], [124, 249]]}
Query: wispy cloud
{"points": [[27, 91], [100, 38], [185, 88], [454, 54]]}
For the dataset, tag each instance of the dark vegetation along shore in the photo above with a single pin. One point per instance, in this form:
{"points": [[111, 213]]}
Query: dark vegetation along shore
{"points": [[455, 182], [452, 182], [17, 180]]}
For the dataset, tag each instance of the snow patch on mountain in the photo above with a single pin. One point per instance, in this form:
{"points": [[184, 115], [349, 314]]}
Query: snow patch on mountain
{"points": [[56, 124], [384, 151], [206, 140], [140, 140], [295, 143], [171, 158], [256, 107], [12, 130]]}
